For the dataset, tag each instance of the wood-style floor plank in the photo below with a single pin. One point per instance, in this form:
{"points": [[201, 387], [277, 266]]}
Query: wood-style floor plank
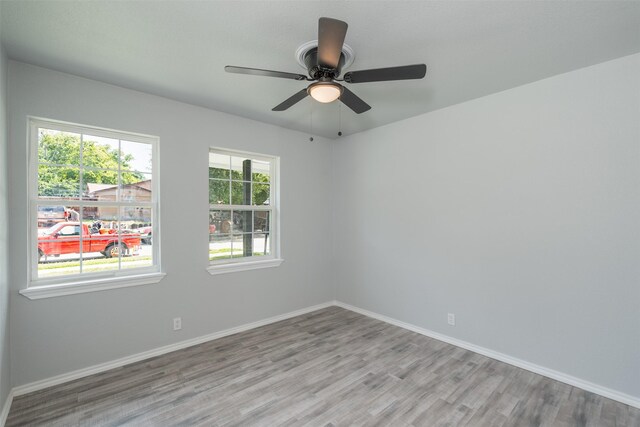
{"points": [[331, 367]]}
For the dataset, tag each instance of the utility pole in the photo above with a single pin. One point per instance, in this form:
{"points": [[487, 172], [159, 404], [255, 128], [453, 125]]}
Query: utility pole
{"points": [[247, 239]]}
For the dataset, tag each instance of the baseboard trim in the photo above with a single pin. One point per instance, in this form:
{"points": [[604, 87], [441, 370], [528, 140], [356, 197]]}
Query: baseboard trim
{"points": [[536, 369], [91, 370], [5, 409]]}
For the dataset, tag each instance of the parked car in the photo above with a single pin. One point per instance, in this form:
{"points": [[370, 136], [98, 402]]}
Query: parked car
{"points": [[50, 215], [63, 238], [145, 234]]}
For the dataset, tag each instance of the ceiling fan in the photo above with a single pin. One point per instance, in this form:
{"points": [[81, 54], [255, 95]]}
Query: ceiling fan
{"points": [[324, 64]]}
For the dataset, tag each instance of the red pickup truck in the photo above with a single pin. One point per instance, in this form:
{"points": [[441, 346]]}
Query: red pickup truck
{"points": [[64, 238]]}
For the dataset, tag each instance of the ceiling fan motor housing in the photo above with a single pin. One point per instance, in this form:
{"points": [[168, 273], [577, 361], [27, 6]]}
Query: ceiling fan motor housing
{"points": [[324, 60], [315, 71]]}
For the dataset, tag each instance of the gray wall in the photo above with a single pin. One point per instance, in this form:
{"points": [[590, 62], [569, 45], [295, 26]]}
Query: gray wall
{"points": [[5, 377], [57, 335], [518, 212]]}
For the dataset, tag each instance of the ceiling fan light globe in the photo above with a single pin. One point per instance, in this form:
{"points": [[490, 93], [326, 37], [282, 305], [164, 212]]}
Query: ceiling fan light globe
{"points": [[325, 93]]}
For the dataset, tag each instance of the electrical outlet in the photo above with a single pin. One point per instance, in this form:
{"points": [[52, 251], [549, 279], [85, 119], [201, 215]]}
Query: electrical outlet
{"points": [[177, 323], [451, 319]]}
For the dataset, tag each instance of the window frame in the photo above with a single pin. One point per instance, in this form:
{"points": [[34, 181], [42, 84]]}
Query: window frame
{"points": [[250, 263], [95, 281]]}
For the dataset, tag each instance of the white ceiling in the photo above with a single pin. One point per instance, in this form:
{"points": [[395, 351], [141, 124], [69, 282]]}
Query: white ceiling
{"points": [[178, 49]]}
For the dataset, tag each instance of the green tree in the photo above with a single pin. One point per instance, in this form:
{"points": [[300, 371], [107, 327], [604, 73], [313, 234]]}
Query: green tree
{"points": [[64, 150], [220, 191]]}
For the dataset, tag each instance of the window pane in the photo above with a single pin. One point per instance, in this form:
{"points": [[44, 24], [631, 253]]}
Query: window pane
{"points": [[78, 168], [100, 185], [145, 230], [69, 229], [218, 192], [59, 244], [100, 152], [246, 232], [101, 246], [58, 182], [135, 216], [242, 221], [238, 171], [136, 187], [219, 247], [135, 226], [136, 156], [261, 171], [100, 219], [97, 262], [219, 166], [242, 245], [48, 216], [261, 244], [261, 194], [58, 254], [261, 220], [60, 148], [240, 193], [219, 222], [73, 212]]}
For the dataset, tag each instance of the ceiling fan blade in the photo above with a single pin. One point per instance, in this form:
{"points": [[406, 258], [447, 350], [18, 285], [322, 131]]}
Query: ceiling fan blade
{"points": [[352, 101], [407, 72], [266, 73], [331, 34], [292, 100]]}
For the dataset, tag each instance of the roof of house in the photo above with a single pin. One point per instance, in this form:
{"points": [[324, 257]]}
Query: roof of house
{"points": [[97, 188], [93, 187]]}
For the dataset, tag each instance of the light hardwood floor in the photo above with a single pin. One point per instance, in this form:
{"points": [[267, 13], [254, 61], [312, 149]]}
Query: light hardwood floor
{"points": [[329, 367]]}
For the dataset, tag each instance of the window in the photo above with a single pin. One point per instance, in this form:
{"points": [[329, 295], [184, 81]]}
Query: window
{"points": [[243, 211], [92, 193]]}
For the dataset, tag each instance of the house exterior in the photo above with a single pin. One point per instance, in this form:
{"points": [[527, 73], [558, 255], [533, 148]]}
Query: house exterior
{"points": [[138, 191]]}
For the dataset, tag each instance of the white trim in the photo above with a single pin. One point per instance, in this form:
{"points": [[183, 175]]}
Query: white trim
{"points": [[69, 284], [86, 202], [236, 153], [232, 265], [95, 130], [5, 409], [80, 287], [214, 207], [91, 370], [242, 266], [532, 367], [549, 373]]}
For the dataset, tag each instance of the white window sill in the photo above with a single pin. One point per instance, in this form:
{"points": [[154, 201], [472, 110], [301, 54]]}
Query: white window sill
{"points": [[91, 285], [243, 266]]}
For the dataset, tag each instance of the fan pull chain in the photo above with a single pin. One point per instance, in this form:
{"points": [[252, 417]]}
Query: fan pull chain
{"points": [[311, 120], [340, 117]]}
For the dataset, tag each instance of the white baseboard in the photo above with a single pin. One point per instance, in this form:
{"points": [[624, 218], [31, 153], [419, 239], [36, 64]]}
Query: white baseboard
{"points": [[80, 373], [5, 409], [537, 369], [550, 373]]}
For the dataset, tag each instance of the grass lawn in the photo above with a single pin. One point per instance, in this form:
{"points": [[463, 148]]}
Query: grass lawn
{"points": [[93, 261]]}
